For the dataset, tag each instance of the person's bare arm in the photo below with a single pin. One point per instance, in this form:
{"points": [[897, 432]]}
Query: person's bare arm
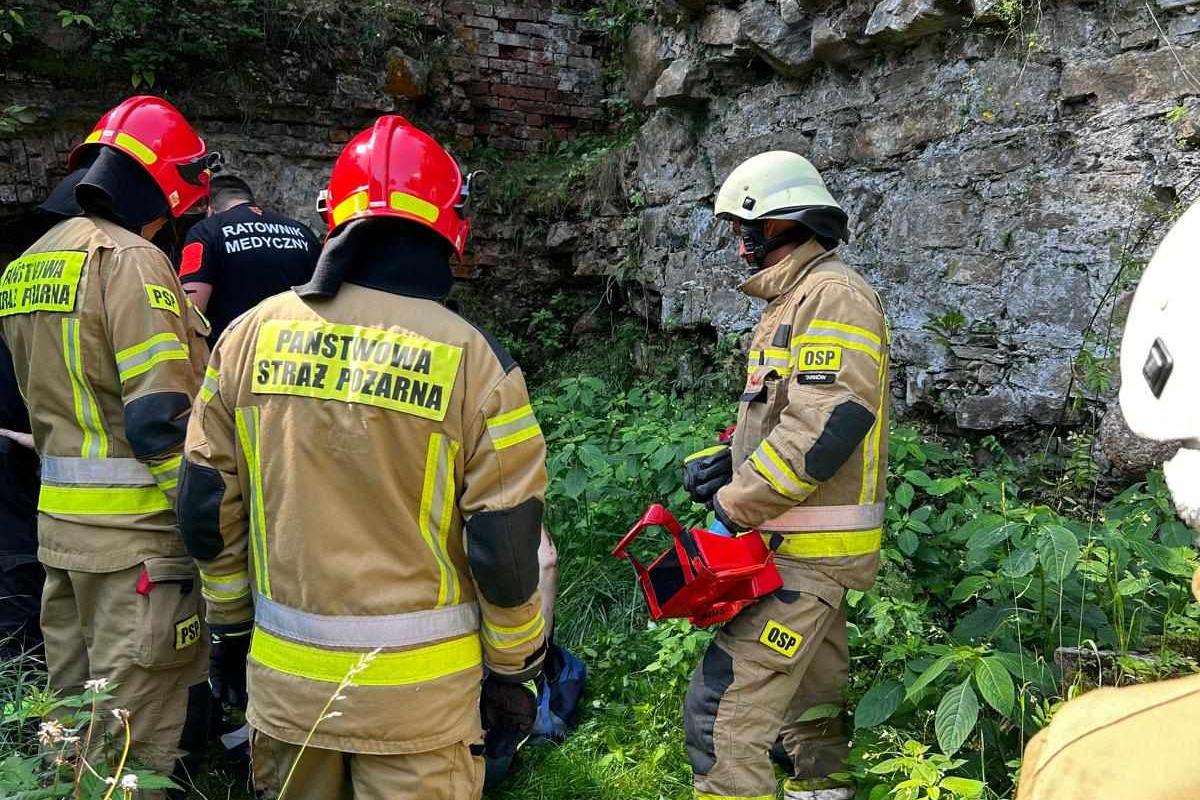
{"points": [[23, 439], [199, 293]]}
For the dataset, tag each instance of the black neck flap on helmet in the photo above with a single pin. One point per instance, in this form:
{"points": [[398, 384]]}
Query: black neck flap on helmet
{"points": [[391, 255], [112, 185]]}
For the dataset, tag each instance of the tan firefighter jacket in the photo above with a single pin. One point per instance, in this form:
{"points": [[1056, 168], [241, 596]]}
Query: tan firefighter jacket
{"points": [[107, 355], [810, 449], [365, 472]]}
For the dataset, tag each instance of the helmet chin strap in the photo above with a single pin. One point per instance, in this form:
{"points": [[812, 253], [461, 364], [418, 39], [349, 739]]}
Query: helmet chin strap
{"points": [[759, 246]]}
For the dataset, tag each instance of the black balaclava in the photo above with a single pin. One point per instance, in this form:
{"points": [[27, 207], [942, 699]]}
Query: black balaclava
{"points": [[108, 184], [389, 254], [826, 224]]}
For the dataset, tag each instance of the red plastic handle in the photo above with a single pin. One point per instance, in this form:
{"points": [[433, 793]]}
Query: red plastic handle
{"points": [[656, 516]]}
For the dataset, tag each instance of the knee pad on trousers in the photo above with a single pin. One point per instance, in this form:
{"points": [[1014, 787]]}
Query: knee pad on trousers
{"points": [[701, 705]]}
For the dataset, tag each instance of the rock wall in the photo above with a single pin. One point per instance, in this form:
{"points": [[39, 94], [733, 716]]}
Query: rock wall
{"points": [[1004, 170], [506, 76]]}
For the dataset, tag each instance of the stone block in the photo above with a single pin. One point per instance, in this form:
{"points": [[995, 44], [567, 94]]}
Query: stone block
{"points": [[644, 61], [721, 27], [903, 21], [787, 48], [511, 39], [679, 84]]}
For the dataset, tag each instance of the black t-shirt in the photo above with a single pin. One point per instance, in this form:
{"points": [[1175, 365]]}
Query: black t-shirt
{"points": [[247, 254], [18, 477]]}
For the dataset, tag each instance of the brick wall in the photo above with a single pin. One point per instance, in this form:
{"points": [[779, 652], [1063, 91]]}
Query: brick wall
{"points": [[524, 74]]}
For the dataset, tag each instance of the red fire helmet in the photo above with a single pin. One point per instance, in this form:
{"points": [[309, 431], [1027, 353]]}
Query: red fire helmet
{"points": [[157, 136], [393, 169]]}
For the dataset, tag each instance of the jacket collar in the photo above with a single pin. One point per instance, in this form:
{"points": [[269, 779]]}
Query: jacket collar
{"points": [[778, 279]]}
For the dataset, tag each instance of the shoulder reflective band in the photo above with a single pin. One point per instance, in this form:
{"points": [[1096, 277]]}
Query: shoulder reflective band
{"points": [[161, 297], [776, 471], [513, 427], [87, 410], [391, 369], [101, 500], [167, 473], [828, 544], [211, 384], [506, 638], [247, 421], [41, 282], [831, 332], [387, 631], [141, 358], [437, 510], [225, 588], [96, 471], [418, 665], [826, 518]]}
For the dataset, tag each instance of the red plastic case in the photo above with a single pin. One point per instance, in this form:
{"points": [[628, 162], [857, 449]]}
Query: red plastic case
{"points": [[705, 577]]}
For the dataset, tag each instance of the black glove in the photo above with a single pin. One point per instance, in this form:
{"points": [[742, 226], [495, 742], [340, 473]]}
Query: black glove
{"points": [[227, 667], [508, 711], [707, 471]]}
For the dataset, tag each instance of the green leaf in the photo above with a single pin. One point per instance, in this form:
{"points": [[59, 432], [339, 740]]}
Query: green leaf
{"points": [[944, 486], [956, 717], [1175, 534], [878, 704], [822, 711], [575, 483], [904, 495], [995, 685], [1020, 562], [964, 788], [981, 522], [1059, 551], [980, 623], [931, 674], [969, 587], [908, 542], [917, 478], [985, 539]]}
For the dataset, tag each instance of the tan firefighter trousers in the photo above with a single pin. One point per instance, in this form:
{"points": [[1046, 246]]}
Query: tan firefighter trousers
{"points": [[449, 773], [152, 646], [780, 657]]}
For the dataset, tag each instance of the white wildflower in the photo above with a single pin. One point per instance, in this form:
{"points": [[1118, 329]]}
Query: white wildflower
{"points": [[50, 733], [129, 782], [97, 685], [332, 715], [121, 714]]}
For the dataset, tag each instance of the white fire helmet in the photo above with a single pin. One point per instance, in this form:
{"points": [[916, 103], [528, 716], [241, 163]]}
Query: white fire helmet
{"points": [[1160, 359]]}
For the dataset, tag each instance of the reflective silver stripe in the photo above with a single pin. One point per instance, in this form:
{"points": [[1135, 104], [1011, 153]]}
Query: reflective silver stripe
{"points": [[365, 632], [826, 518], [98, 471]]}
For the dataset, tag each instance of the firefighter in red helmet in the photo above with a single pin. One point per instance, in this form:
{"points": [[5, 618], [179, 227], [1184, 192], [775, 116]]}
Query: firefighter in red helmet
{"points": [[108, 357], [362, 486]]}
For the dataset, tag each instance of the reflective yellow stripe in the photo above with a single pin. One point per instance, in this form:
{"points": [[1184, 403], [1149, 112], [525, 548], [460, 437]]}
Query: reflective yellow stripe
{"points": [[248, 427], [513, 427], [167, 473], [708, 451], [94, 136], [403, 668], [225, 588], [437, 508], [777, 472], [829, 545], [139, 150], [503, 638], [851, 329], [708, 796], [93, 501], [869, 490], [211, 384], [351, 205], [141, 358], [411, 204], [87, 410], [849, 344]]}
